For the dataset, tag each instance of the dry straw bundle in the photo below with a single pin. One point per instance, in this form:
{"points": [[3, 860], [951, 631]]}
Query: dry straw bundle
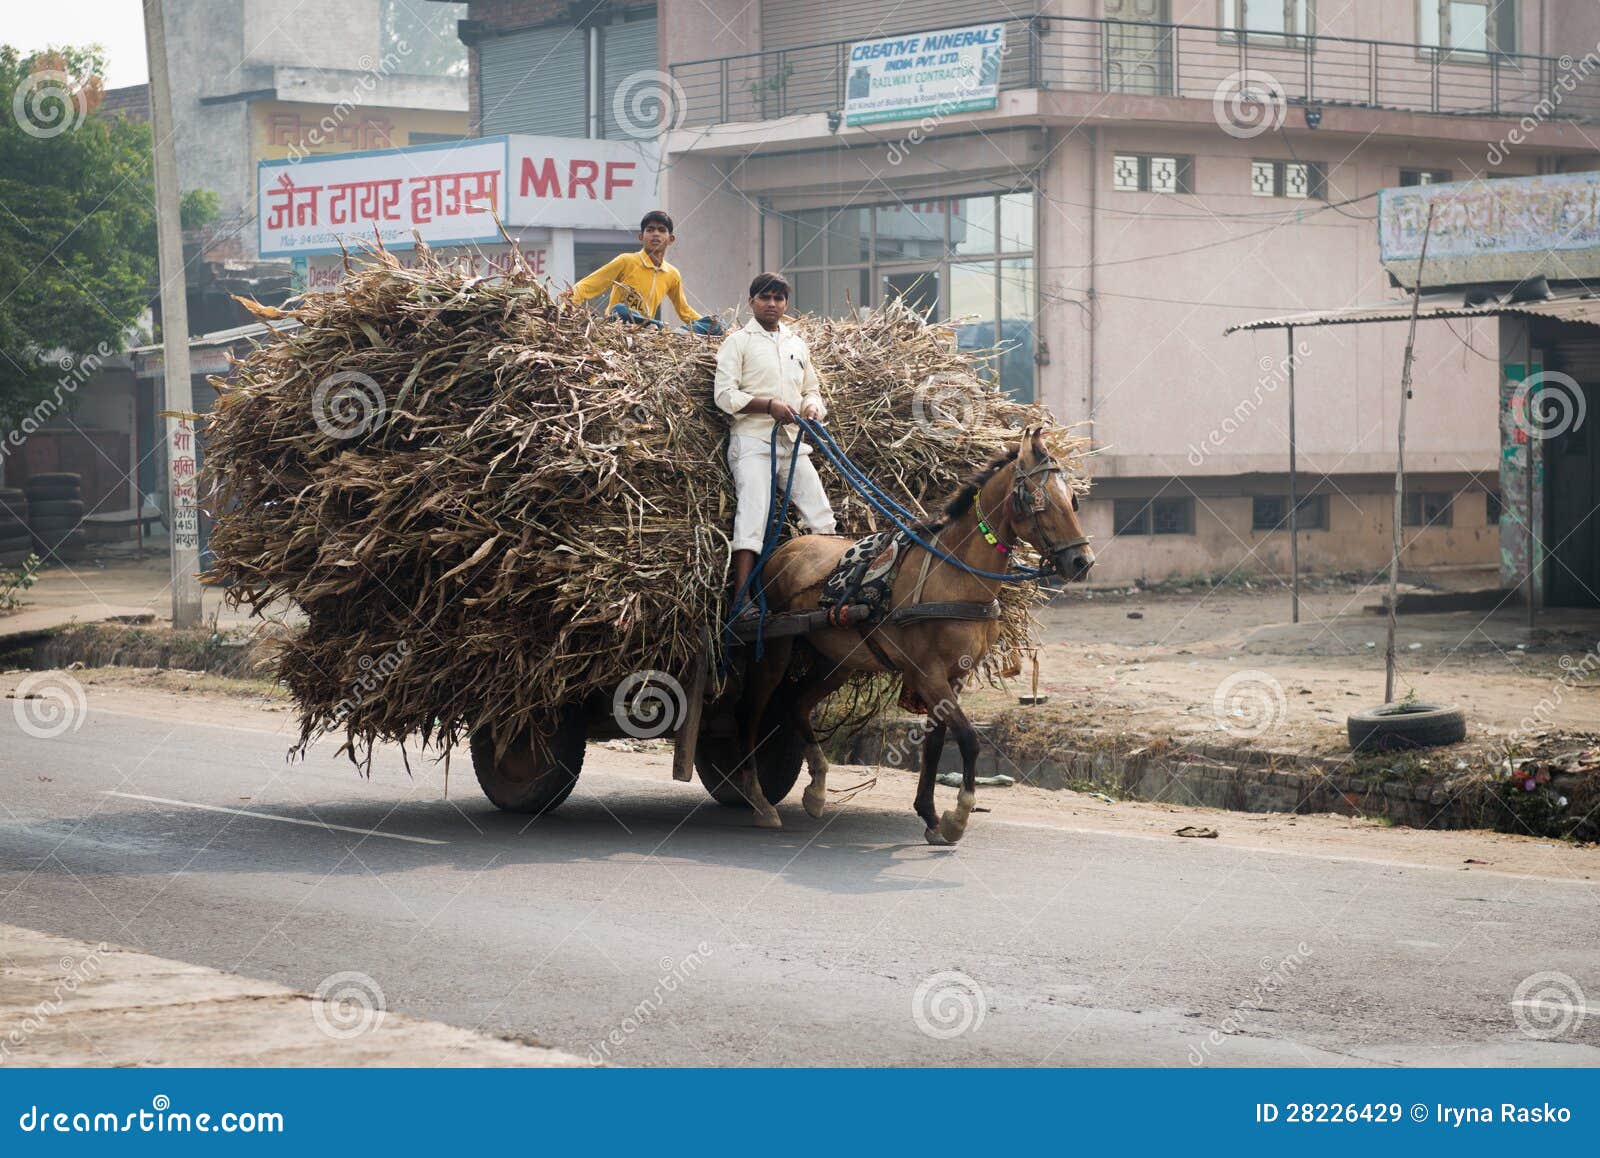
{"points": [[488, 505]]}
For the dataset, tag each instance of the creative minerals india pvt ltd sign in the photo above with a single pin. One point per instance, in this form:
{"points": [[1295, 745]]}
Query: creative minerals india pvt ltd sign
{"points": [[933, 74], [450, 194]]}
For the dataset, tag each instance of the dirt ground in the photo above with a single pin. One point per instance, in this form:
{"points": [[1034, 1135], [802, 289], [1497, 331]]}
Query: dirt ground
{"points": [[1227, 664]]}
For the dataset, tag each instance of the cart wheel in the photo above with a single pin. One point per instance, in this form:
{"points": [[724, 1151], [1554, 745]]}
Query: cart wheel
{"points": [[535, 774], [778, 760]]}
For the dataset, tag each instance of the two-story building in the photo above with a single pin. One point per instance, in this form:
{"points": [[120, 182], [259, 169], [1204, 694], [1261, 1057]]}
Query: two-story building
{"points": [[1144, 175]]}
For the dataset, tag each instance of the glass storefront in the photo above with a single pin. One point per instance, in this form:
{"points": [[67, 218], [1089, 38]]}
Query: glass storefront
{"points": [[967, 260]]}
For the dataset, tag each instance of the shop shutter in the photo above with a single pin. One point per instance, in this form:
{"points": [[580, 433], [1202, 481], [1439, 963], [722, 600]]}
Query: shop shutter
{"points": [[786, 24], [629, 50], [1579, 357], [533, 82]]}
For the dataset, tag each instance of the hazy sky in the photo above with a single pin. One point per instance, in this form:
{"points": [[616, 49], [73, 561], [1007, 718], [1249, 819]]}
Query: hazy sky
{"points": [[115, 25]]}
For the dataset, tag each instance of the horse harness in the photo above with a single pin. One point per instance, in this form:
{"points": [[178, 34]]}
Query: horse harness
{"points": [[867, 571]]}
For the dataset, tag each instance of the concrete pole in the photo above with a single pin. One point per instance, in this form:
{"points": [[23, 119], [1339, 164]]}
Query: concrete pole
{"points": [[181, 450]]}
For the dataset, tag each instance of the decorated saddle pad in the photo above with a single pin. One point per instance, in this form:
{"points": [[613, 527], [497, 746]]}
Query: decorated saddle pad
{"points": [[865, 573]]}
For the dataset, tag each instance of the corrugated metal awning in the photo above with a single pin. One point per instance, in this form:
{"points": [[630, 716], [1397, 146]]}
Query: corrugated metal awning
{"points": [[1582, 310]]}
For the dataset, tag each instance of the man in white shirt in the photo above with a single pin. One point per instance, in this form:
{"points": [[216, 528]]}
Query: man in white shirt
{"points": [[765, 376]]}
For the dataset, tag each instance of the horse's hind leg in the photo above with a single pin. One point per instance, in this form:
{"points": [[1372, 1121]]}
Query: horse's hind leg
{"points": [[764, 678], [811, 693]]}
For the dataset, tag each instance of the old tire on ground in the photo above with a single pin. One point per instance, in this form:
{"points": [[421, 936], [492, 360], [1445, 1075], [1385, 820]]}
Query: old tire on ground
{"points": [[1392, 726], [55, 509], [58, 478], [778, 760], [12, 529], [530, 777]]}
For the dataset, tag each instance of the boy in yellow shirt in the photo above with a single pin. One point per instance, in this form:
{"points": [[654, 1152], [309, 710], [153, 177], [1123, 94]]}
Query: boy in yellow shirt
{"points": [[638, 281]]}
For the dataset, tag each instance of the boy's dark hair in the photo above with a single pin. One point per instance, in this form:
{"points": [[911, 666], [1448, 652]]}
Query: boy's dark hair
{"points": [[769, 281], [656, 217]]}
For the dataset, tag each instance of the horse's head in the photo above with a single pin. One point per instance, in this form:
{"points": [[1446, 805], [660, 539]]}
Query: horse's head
{"points": [[1044, 508]]}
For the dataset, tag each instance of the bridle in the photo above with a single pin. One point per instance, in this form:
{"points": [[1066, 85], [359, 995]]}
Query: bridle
{"points": [[1030, 500]]}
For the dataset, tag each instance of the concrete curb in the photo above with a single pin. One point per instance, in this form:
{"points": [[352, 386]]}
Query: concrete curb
{"points": [[1209, 775], [72, 1003]]}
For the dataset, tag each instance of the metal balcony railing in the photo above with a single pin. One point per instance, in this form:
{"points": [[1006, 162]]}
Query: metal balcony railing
{"points": [[1179, 60]]}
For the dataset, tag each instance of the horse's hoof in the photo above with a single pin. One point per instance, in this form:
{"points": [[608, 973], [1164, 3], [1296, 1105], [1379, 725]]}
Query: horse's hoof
{"points": [[951, 829], [814, 803], [931, 835], [768, 820]]}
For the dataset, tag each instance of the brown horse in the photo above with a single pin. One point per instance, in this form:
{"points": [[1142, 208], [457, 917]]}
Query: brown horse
{"points": [[1023, 494]]}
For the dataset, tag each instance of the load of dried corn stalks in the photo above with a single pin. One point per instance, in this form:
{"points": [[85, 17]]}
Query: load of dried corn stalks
{"points": [[488, 505]]}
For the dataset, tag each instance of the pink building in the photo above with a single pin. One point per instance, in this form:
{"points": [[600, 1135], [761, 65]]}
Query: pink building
{"points": [[1149, 174]]}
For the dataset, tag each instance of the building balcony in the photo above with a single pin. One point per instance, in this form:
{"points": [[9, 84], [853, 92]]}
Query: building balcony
{"points": [[1071, 54]]}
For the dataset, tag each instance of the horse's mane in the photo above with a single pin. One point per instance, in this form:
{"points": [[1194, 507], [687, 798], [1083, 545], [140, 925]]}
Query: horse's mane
{"points": [[960, 503]]}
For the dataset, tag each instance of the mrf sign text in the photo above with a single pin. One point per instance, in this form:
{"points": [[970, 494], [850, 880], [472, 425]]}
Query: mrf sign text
{"points": [[931, 74], [451, 194]]}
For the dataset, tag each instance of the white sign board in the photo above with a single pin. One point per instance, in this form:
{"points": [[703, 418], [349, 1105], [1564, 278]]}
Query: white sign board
{"points": [[444, 193], [574, 183], [929, 74]]}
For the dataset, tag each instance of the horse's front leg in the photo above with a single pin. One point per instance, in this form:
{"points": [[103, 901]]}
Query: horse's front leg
{"points": [[953, 824], [932, 749]]}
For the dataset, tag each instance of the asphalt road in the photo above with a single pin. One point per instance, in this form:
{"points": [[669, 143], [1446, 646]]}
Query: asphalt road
{"points": [[647, 926]]}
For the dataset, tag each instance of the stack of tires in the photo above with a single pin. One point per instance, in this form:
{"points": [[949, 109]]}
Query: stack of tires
{"points": [[55, 508], [15, 542]]}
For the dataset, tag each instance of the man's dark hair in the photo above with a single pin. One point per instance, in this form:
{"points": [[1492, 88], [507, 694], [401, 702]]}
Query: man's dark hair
{"points": [[656, 217], [769, 281]]}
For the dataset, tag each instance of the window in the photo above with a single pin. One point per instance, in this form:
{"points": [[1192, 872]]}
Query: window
{"points": [[1298, 179], [1424, 176], [966, 260], [1153, 516], [1271, 513], [1423, 509], [1491, 508], [1261, 19], [1138, 173], [1468, 26]]}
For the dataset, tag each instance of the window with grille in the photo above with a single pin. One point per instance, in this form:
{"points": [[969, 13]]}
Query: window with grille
{"points": [[1163, 516], [1146, 173], [1302, 180], [1271, 513], [1425, 509], [1424, 176]]}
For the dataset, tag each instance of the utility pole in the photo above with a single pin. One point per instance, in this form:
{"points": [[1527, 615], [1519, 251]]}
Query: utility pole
{"points": [[181, 450], [1400, 467]]}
